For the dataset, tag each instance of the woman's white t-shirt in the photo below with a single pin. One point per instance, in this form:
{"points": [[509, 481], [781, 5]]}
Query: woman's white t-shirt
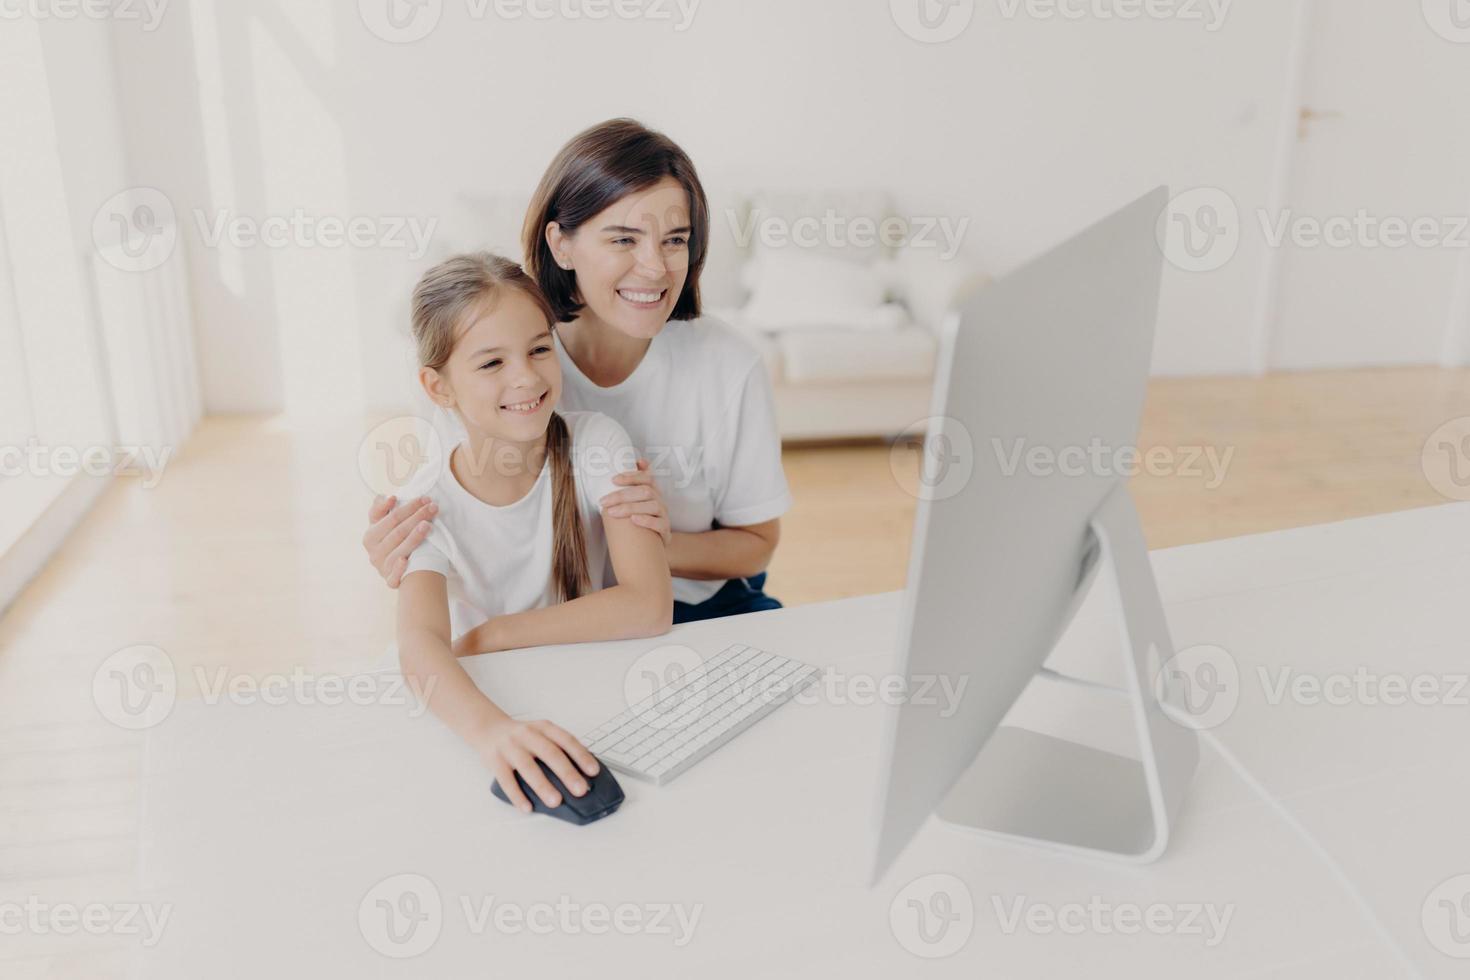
{"points": [[497, 560], [699, 408]]}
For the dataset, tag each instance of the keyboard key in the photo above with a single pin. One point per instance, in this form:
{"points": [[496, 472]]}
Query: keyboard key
{"points": [[680, 723]]}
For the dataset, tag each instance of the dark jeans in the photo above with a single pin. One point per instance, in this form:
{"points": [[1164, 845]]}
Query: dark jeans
{"points": [[739, 595]]}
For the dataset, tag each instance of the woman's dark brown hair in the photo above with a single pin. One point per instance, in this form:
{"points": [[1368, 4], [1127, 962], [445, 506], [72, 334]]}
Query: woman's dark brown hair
{"points": [[597, 168], [444, 296]]}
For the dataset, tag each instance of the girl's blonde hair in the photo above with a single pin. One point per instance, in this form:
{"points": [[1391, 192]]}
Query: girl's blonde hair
{"points": [[445, 295]]}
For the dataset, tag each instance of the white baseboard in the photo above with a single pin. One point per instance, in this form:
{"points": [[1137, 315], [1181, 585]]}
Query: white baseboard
{"points": [[30, 551]]}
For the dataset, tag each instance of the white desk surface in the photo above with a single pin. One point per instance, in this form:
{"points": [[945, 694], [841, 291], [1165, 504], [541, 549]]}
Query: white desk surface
{"points": [[266, 827]]}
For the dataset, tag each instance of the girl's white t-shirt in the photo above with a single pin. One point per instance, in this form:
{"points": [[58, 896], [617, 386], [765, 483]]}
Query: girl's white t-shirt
{"points": [[497, 560], [699, 408]]}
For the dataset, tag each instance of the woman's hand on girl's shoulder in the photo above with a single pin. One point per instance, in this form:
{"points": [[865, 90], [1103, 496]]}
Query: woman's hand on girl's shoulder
{"points": [[640, 501], [511, 746], [394, 531]]}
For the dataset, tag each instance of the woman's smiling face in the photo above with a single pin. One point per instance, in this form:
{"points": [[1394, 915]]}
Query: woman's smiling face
{"points": [[631, 259]]}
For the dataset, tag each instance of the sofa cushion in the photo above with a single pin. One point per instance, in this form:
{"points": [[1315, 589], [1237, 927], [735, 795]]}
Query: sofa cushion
{"points": [[764, 343], [839, 224], [796, 290], [818, 356]]}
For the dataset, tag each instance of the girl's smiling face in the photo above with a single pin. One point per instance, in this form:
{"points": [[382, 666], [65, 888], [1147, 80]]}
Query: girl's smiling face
{"points": [[503, 376], [631, 259]]}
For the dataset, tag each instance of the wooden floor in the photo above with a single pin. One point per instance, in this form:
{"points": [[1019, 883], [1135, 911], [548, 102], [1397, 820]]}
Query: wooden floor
{"points": [[1301, 449], [246, 556]]}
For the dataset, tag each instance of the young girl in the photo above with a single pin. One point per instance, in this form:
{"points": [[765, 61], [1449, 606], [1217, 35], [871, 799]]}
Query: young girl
{"points": [[517, 554]]}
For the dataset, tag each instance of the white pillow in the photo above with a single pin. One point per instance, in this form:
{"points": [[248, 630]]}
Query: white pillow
{"points": [[931, 285], [793, 288], [802, 218]]}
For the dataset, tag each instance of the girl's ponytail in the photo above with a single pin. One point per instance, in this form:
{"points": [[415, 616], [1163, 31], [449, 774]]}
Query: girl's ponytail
{"points": [[568, 540]]}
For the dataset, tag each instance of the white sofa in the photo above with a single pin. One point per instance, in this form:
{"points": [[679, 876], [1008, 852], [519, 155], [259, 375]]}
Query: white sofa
{"points": [[847, 325]]}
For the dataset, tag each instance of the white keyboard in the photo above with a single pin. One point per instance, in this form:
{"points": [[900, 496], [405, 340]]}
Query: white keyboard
{"points": [[681, 723]]}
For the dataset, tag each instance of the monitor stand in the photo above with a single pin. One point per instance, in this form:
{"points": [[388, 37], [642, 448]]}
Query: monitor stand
{"points": [[1038, 789]]}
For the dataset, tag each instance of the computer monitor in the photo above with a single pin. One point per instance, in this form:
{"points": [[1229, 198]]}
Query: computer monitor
{"points": [[1056, 355]]}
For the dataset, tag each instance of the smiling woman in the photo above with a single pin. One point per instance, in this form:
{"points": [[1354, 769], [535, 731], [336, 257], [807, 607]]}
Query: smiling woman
{"points": [[646, 218], [617, 235]]}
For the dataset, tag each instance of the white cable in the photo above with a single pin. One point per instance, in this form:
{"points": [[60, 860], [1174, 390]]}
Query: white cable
{"points": [[1181, 717], [1059, 677], [1312, 842]]}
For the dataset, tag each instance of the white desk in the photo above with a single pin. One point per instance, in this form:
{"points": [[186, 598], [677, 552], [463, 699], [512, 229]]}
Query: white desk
{"points": [[267, 826]]}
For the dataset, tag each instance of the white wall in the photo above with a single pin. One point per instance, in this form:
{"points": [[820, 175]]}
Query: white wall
{"points": [[193, 139], [1029, 127], [60, 157]]}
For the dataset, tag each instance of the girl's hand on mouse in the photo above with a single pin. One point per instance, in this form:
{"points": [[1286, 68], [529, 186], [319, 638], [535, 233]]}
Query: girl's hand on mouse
{"points": [[640, 501], [512, 746], [393, 533]]}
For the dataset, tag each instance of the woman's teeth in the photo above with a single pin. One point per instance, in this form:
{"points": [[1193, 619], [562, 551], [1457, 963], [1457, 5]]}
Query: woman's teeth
{"points": [[634, 296], [525, 407]]}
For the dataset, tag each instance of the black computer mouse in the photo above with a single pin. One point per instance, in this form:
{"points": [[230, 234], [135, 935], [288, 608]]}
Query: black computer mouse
{"points": [[603, 795]]}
